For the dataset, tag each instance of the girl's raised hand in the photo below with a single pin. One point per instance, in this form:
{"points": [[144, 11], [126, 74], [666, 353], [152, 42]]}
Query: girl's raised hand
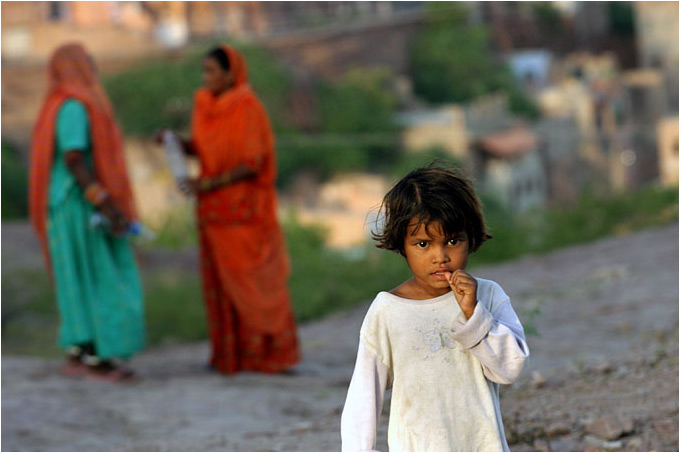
{"points": [[464, 287]]}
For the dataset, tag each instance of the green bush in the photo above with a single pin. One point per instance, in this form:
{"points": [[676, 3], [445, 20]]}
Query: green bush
{"points": [[29, 314], [301, 155], [177, 231], [175, 311], [30, 320], [160, 93], [549, 17], [451, 61], [589, 219], [622, 18], [167, 87], [361, 102], [412, 160], [14, 184], [357, 131], [324, 280]]}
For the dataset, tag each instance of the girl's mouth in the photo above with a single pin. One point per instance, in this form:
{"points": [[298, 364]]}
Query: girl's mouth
{"points": [[441, 275]]}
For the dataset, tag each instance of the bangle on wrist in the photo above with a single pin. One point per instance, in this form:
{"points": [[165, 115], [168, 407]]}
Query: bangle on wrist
{"points": [[205, 184], [96, 194], [221, 180]]}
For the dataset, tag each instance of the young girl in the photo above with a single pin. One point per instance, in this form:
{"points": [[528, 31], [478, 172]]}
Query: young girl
{"points": [[443, 340]]}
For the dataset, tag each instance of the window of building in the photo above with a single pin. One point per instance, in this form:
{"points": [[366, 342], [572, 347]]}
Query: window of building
{"points": [[56, 11]]}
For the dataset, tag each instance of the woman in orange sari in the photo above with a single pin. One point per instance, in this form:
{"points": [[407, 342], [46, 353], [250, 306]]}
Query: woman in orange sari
{"points": [[77, 174], [244, 263]]}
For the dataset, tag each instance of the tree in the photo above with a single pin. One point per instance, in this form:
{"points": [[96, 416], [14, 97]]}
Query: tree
{"points": [[451, 61]]}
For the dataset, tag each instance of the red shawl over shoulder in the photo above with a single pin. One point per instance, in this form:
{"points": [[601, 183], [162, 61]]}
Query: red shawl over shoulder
{"points": [[72, 76]]}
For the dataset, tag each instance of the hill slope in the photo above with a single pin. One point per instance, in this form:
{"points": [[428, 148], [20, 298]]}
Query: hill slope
{"points": [[607, 318]]}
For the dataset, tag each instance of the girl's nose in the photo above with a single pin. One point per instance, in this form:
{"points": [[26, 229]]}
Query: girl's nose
{"points": [[440, 256]]}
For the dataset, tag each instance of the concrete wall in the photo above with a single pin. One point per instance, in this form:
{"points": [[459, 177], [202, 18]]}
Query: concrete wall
{"points": [[443, 128], [519, 183], [668, 151], [109, 29], [153, 184], [657, 41], [331, 52], [347, 208]]}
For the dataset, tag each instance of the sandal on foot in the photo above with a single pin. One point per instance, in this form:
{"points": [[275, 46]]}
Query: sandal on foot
{"points": [[116, 374], [74, 368]]}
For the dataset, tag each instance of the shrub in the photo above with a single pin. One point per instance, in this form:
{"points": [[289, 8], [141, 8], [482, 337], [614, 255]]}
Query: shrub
{"points": [[14, 184], [451, 61], [356, 132], [168, 86]]}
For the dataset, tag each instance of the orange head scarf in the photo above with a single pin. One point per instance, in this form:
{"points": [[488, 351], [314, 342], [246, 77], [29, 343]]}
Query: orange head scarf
{"points": [[237, 64], [72, 75], [207, 104]]}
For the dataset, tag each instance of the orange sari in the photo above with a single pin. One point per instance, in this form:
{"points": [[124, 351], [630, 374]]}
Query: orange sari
{"points": [[72, 75], [244, 263]]}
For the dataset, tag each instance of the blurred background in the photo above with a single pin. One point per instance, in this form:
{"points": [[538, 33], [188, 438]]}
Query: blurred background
{"points": [[565, 113]]}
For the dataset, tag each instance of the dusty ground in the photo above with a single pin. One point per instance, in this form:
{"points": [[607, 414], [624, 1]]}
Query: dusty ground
{"points": [[607, 319]]}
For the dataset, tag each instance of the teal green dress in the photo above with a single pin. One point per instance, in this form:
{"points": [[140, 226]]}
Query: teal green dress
{"points": [[97, 284]]}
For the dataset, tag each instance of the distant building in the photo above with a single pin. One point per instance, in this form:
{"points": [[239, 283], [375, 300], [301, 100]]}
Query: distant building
{"points": [[508, 166], [668, 151], [644, 94], [591, 23], [501, 152], [31, 30], [589, 89], [567, 172], [531, 68], [657, 41], [443, 128], [505, 155], [346, 207], [512, 25]]}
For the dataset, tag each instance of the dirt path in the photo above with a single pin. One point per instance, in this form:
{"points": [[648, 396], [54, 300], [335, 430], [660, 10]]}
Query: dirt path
{"points": [[608, 345]]}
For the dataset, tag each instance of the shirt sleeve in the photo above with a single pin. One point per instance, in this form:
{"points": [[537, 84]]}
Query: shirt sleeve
{"points": [[497, 340], [73, 127], [361, 414]]}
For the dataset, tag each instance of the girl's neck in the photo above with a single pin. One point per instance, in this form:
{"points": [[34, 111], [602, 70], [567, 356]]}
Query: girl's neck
{"points": [[411, 290]]}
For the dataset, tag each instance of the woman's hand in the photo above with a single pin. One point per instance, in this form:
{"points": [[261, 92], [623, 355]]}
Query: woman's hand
{"points": [[158, 135], [193, 186], [189, 186], [464, 287], [119, 224], [186, 146]]}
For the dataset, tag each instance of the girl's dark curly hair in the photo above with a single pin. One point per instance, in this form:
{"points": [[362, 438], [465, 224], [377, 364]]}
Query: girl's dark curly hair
{"points": [[437, 193]]}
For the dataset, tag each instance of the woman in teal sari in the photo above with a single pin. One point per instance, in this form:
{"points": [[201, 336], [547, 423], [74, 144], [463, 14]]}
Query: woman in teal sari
{"points": [[78, 176]]}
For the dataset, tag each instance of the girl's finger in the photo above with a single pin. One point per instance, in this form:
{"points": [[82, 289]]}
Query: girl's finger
{"points": [[459, 278], [464, 289]]}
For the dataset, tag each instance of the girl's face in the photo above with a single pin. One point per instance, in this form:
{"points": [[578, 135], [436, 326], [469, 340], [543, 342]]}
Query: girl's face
{"points": [[216, 79], [429, 254]]}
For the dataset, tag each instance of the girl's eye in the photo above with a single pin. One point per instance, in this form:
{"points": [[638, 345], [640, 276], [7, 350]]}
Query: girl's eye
{"points": [[453, 241], [422, 244]]}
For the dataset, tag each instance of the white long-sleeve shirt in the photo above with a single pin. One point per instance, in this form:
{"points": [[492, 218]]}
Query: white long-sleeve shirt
{"points": [[444, 371]]}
